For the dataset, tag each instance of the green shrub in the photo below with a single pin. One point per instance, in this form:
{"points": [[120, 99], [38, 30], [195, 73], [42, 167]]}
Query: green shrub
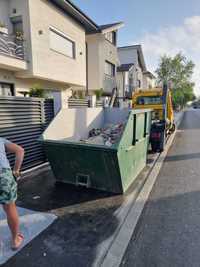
{"points": [[37, 91], [98, 93]]}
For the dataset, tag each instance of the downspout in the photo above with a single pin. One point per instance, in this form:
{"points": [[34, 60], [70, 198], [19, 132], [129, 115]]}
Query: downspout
{"points": [[87, 73], [165, 94], [124, 84]]}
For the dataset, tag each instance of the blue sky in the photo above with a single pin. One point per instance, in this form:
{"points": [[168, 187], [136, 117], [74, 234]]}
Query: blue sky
{"points": [[162, 27]]}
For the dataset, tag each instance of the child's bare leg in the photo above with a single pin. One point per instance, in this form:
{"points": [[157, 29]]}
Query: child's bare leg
{"points": [[13, 222]]}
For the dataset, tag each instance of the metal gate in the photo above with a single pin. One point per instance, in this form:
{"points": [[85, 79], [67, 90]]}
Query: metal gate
{"points": [[22, 120], [82, 103]]}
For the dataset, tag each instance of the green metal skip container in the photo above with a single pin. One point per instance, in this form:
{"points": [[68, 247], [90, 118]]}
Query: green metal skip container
{"points": [[112, 168]]}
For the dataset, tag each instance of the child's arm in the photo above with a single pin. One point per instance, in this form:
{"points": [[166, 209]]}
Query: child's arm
{"points": [[19, 156]]}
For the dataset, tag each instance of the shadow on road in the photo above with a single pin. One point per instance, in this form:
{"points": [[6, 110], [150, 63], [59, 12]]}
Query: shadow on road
{"points": [[41, 193], [183, 157], [83, 232], [167, 233], [72, 240], [80, 235]]}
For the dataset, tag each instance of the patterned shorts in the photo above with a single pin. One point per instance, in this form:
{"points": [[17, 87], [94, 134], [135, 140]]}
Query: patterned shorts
{"points": [[8, 187]]}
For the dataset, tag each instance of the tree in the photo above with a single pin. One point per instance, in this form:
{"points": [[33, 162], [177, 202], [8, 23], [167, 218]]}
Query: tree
{"points": [[178, 71]]}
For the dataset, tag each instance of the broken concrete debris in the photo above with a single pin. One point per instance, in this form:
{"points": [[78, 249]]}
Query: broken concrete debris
{"points": [[107, 136]]}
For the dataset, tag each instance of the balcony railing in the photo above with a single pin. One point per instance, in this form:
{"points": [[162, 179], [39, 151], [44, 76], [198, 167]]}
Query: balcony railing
{"points": [[9, 46]]}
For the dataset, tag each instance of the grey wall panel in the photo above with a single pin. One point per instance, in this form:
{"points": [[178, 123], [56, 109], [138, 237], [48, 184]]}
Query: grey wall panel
{"points": [[22, 120]]}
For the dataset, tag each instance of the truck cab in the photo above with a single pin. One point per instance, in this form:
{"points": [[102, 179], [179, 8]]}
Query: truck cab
{"points": [[153, 99], [160, 101]]}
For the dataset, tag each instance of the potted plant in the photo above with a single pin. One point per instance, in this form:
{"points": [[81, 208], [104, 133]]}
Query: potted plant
{"points": [[3, 28], [37, 91], [99, 93], [19, 35]]}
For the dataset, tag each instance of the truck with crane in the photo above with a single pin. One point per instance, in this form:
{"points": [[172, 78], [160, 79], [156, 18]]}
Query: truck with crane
{"points": [[160, 101]]}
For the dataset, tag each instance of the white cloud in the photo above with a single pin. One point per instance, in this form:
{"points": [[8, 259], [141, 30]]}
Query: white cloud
{"points": [[170, 41]]}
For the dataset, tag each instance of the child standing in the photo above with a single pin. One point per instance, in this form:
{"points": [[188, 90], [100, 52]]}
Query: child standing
{"points": [[8, 188]]}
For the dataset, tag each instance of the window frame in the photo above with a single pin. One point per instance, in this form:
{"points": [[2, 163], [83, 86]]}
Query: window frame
{"points": [[113, 69], [139, 83], [114, 37], [12, 88], [61, 34]]}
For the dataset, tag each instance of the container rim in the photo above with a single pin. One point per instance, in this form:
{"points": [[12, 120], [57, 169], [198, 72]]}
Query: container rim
{"points": [[79, 144]]}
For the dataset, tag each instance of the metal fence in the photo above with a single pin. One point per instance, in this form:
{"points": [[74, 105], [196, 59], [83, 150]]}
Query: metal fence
{"points": [[99, 104], [82, 103], [22, 120], [78, 103]]}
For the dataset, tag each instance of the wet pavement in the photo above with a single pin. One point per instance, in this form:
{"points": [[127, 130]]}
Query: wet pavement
{"points": [[87, 220], [168, 232]]}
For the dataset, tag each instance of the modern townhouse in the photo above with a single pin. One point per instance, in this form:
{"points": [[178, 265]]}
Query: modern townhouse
{"points": [[125, 81], [53, 44], [130, 72], [102, 60], [149, 80], [42, 42]]}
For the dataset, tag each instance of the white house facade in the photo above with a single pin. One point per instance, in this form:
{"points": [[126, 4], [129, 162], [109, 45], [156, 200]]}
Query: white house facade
{"points": [[102, 58], [42, 42], [131, 56], [149, 80], [125, 80]]}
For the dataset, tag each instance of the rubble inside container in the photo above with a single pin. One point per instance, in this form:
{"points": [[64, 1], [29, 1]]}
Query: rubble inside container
{"points": [[108, 136]]}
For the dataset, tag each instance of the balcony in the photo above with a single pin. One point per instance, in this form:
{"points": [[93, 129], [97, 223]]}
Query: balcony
{"points": [[12, 55], [109, 84]]}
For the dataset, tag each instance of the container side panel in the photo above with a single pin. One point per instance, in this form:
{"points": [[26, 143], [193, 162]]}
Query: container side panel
{"points": [[132, 157], [140, 121], [110, 169], [82, 166], [74, 124]]}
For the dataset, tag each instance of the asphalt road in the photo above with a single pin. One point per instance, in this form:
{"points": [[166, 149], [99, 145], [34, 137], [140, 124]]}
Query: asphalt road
{"points": [[168, 232]]}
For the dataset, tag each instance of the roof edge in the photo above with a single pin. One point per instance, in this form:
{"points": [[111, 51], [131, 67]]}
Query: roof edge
{"points": [[130, 46], [112, 27], [81, 12], [68, 7], [140, 52], [150, 74]]}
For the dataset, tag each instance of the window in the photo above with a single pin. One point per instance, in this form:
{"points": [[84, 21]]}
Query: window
{"points": [[18, 33], [139, 83], [17, 27], [61, 44], [109, 69], [6, 89], [131, 80], [149, 100], [111, 37]]}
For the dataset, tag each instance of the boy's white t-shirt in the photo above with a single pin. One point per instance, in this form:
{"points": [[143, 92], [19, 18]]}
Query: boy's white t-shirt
{"points": [[4, 163]]}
